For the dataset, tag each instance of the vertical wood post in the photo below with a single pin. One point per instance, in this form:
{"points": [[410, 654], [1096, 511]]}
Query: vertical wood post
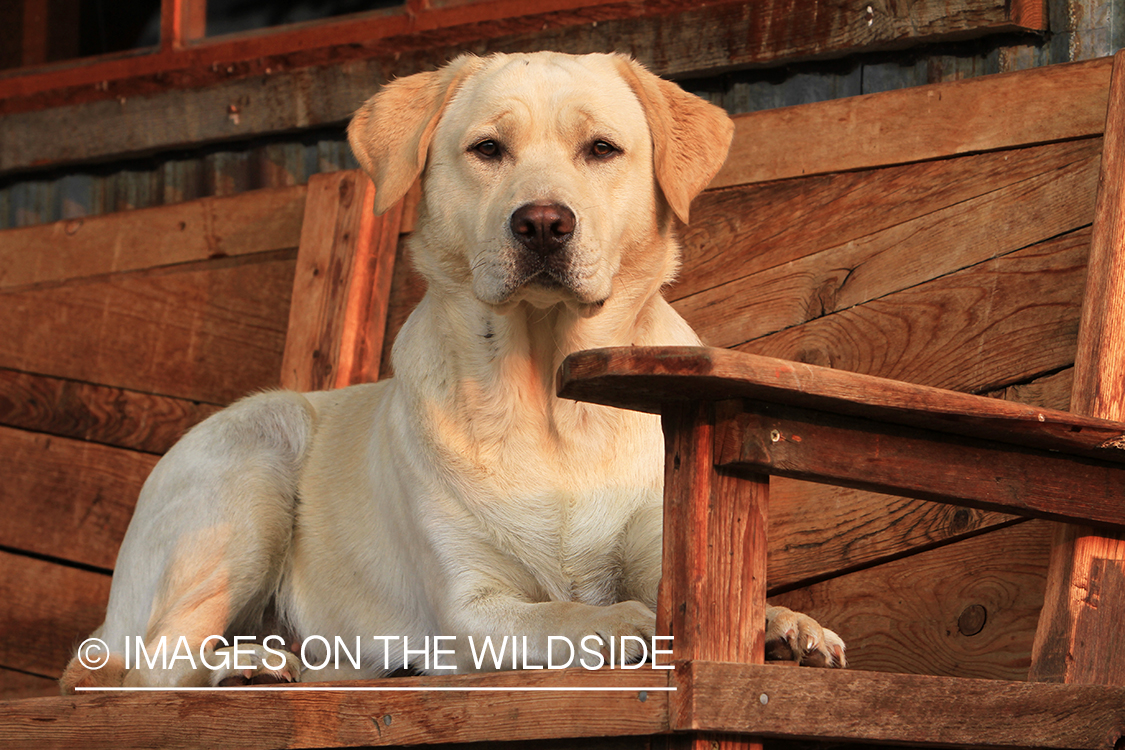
{"points": [[181, 22], [1080, 638], [713, 591], [345, 264]]}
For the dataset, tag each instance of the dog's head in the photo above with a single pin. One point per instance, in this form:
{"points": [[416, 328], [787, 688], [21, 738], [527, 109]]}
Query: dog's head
{"points": [[545, 175]]}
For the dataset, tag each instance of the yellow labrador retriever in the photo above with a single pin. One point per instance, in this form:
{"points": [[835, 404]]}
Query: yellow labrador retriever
{"points": [[458, 516]]}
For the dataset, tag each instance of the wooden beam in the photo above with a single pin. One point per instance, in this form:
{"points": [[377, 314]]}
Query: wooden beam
{"points": [[991, 112], [181, 22], [1079, 632], [345, 265], [869, 455], [517, 706], [124, 106], [918, 710], [645, 378], [253, 222], [713, 592]]}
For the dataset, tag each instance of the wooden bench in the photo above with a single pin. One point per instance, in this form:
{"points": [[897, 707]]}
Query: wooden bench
{"points": [[936, 237]]}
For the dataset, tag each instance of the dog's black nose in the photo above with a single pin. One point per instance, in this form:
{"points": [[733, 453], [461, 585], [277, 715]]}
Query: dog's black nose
{"points": [[543, 228]]}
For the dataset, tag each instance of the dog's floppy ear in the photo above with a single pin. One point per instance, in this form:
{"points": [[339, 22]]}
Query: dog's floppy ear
{"points": [[690, 136], [390, 134]]}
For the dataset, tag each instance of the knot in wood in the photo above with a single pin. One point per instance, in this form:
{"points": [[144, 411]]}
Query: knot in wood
{"points": [[972, 620]]}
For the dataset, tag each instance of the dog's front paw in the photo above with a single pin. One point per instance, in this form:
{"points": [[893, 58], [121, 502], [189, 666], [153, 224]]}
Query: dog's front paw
{"points": [[253, 664], [606, 632], [792, 636]]}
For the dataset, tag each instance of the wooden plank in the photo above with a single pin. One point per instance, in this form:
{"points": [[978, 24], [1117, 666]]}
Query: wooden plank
{"points": [[338, 312], [712, 597], [928, 122], [712, 600], [349, 718], [818, 530], [864, 454], [746, 230], [67, 499], [16, 685], [905, 255], [967, 609], [1001, 322], [100, 414], [136, 114], [1079, 634], [253, 222], [646, 378], [182, 22], [211, 332], [877, 707], [48, 608]]}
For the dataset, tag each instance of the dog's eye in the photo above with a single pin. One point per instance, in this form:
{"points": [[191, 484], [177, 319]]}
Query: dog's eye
{"points": [[489, 149], [602, 149]]}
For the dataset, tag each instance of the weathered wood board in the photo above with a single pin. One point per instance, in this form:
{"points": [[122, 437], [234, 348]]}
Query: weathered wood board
{"points": [[67, 499], [100, 414], [916, 615], [48, 609], [134, 111], [253, 222], [210, 332]]}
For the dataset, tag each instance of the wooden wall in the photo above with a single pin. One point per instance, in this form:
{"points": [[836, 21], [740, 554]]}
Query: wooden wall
{"points": [[932, 237]]}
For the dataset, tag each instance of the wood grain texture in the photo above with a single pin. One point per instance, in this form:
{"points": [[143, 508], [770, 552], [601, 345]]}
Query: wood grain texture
{"points": [[210, 332], [67, 499], [865, 454], [904, 616], [253, 222], [16, 685], [712, 600], [313, 88], [819, 530], [899, 257], [100, 414], [915, 710], [1001, 322], [648, 378], [742, 231], [338, 313], [351, 719], [48, 609], [1079, 638], [1053, 103]]}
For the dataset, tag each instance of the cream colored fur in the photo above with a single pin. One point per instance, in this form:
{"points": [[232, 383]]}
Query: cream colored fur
{"points": [[461, 497]]}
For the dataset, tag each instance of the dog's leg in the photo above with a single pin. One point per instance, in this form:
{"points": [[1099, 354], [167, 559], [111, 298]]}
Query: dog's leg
{"points": [[205, 551]]}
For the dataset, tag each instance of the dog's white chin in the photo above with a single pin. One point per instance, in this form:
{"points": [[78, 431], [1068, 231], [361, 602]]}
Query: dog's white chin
{"points": [[543, 297]]}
